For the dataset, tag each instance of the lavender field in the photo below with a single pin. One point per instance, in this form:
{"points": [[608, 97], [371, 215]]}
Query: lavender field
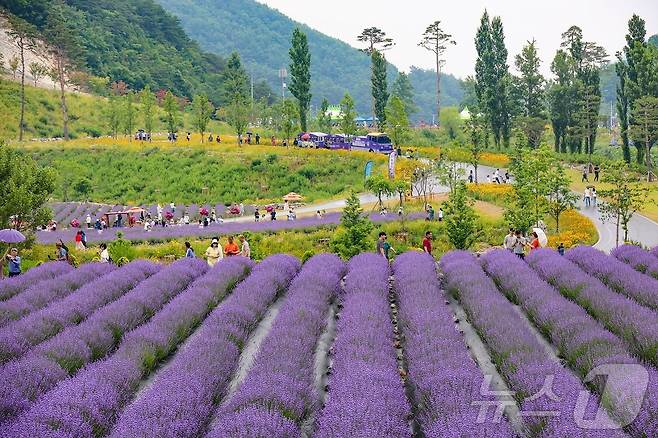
{"points": [[495, 346]]}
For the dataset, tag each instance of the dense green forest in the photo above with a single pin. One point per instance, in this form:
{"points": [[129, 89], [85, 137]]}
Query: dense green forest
{"points": [[136, 41], [262, 37]]}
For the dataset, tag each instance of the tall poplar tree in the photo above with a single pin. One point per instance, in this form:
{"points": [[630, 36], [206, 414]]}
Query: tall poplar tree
{"points": [[379, 88], [403, 89], [147, 100], [300, 73]]}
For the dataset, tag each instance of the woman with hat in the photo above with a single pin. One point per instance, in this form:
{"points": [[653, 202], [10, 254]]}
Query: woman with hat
{"points": [[214, 252]]}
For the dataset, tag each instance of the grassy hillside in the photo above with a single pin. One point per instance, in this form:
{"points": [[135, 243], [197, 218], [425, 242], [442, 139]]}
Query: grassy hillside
{"points": [[262, 36], [118, 172], [136, 41], [43, 118]]}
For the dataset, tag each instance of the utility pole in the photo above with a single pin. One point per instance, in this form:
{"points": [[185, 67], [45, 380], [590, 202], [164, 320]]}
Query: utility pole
{"points": [[283, 74]]}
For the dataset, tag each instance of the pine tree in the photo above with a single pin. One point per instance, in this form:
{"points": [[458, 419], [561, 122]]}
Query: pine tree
{"points": [[300, 73], [436, 41], [353, 235], [24, 37], [379, 87], [461, 220], [532, 81]]}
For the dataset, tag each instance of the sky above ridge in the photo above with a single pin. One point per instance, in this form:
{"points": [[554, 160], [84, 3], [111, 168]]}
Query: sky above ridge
{"points": [[602, 21]]}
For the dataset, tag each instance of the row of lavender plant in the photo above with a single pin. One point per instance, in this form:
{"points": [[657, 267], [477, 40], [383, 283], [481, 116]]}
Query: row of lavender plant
{"points": [[638, 258], [654, 251], [520, 358], [18, 337], [444, 378], [26, 379], [580, 339], [279, 394], [42, 294], [88, 404], [10, 287], [634, 323], [366, 392], [182, 398], [617, 275]]}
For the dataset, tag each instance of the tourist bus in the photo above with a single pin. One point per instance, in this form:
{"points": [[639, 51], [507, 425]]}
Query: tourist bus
{"points": [[373, 142]]}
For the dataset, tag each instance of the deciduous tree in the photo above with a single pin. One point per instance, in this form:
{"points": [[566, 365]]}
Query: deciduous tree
{"points": [[398, 122], [128, 114], [348, 114], [380, 186], [172, 117], [477, 140], [202, 110], [147, 100], [37, 71], [402, 88], [645, 127], [323, 118]]}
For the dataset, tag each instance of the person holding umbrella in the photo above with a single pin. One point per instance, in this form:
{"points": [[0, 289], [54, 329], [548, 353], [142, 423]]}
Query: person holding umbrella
{"points": [[11, 236]]}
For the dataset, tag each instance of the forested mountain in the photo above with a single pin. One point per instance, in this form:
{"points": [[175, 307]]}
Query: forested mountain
{"points": [[262, 37], [136, 41]]}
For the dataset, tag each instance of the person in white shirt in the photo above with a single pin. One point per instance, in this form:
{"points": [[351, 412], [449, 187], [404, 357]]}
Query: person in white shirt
{"points": [[241, 209], [104, 254], [440, 214], [245, 250], [88, 221]]}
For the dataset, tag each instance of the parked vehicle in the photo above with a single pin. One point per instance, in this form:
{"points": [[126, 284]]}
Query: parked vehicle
{"points": [[373, 142]]}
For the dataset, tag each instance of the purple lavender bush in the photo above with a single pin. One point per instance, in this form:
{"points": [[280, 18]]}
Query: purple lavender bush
{"points": [[617, 275], [580, 339], [634, 323], [366, 394], [42, 294], [45, 272], [183, 396], [443, 377], [18, 337], [520, 358], [638, 258], [654, 251], [279, 388], [89, 403], [26, 379]]}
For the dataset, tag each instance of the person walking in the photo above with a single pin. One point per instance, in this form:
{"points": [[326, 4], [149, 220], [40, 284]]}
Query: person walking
{"points": [[383, 247], [257, 138], [256, 215], [245, 249], [83, 235], [189, 252], [519, 245], [88, 220], [440, 214], [231, 248], [273, 214], [594, 195], [586, 197], [597, 171], [470, 177], [584, 178], [430, 213], [13, 262], [508, 242], [214, 252], [104, 254], [241, 209], [427, 242]]}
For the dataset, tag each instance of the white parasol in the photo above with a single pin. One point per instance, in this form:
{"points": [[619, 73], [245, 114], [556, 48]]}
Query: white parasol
{"points": [[543, 240]]}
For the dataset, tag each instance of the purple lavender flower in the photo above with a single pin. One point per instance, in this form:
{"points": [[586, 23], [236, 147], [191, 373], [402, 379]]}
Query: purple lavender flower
{"points": [[21, 335], [634, 323], [444, 378], [366, 395], [280, 384], [638, 258], [42, 294], [90, 402], [182, 398], [45, 272], [37, 372], [580, 339], [617, 275], [519, 357]]}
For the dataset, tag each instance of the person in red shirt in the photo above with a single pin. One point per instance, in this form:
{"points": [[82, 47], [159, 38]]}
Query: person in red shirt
{"points": [[535, 242], [427, 243]]}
